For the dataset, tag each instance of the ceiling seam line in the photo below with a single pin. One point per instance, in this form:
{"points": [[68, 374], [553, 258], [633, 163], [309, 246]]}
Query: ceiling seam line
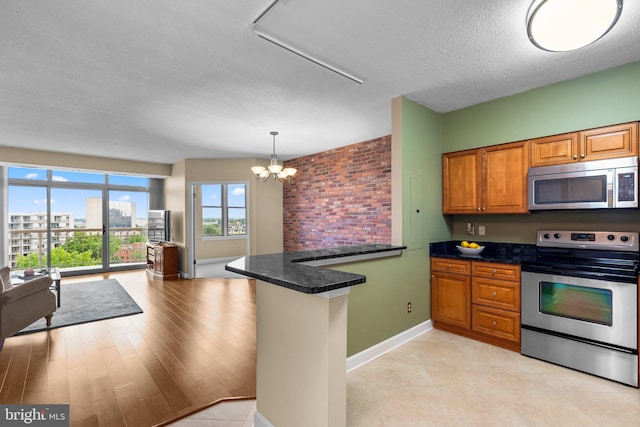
{"points": [[308, 57], [264, 12]]}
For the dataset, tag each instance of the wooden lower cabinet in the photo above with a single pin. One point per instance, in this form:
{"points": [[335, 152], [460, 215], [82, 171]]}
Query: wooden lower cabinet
{"points": [[450, 299], [479, 300]]}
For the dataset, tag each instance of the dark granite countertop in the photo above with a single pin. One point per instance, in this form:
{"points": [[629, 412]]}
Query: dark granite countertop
{"points": [[287, 269], [504, 253]]}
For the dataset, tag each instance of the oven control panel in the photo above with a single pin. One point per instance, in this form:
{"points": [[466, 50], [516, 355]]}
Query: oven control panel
{"points": [[605, 240]]}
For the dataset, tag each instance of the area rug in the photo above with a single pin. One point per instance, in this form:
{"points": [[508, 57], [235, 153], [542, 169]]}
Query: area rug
{"points": [[87, 302]]}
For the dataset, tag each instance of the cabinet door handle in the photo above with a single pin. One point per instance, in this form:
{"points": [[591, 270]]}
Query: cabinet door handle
{"points": [[582, 156], [575, 157], [494, 323], [478, 209], [494, 271], [449, 266], [494, 294]]}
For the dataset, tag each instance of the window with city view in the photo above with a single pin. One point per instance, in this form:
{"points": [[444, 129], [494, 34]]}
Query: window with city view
{"points": [[56, 219], [224, 210]]}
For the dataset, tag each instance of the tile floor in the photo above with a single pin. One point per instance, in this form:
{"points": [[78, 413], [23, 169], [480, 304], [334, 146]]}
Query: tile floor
{"points": [[440, 379], [230, 413]]}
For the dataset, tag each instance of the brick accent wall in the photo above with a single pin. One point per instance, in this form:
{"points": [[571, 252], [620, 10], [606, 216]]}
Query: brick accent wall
{"points": [[339, 197]]}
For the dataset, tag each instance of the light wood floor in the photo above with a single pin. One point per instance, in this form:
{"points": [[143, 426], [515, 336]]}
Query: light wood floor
{"points": [[194, 344]]}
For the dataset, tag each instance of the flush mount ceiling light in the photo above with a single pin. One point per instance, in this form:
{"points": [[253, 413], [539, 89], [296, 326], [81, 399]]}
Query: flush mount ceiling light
{"points": [[274, 170], [563, 25]]}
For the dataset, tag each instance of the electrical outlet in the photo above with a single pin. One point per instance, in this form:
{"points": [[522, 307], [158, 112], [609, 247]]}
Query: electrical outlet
{"points": [[409, 307], [481, 230], [470, 229]]}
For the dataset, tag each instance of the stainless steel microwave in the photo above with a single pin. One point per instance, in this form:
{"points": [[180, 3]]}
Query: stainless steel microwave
{"points": [[598, 184]]}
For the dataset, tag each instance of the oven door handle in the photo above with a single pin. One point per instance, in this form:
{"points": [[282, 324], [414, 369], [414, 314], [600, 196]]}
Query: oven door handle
{"points": [[610, 199]]}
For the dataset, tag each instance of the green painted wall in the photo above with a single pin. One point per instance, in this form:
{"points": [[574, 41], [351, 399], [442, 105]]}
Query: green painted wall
{"points": [[378, 309], [600, 99], [421, 154]]}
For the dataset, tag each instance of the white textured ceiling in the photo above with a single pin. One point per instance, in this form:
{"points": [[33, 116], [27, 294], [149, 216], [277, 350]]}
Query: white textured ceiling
{"points": [[164, 80]]}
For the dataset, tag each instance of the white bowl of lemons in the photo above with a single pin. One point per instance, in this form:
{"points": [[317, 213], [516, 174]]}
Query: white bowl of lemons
{"points": [[472, 248]]}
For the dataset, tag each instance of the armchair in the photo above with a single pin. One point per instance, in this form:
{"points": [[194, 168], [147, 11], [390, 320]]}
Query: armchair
{"points": [[21, 305]]}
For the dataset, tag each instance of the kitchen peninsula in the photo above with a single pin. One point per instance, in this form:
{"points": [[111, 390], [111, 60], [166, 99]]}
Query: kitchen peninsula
{"points": [[302, 332]]}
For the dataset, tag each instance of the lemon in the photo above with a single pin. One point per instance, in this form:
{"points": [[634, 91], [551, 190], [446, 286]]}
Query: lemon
{"points": [[474, 245], [464, 244]]}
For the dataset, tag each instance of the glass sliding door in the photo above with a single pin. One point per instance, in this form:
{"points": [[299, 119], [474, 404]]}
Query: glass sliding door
{"points": [[76, 229], [28, 231], [128, 211], [78, 221]]}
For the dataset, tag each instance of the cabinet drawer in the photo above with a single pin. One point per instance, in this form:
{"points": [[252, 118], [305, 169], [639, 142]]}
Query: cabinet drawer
{"points": [[496, 271], [498, 323], [502, 294], [451, 265]]}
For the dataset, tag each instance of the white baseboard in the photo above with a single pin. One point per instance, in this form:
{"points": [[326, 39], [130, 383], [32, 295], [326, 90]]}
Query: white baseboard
{"points": [[260, 421], [216, 260], [373, 352]]}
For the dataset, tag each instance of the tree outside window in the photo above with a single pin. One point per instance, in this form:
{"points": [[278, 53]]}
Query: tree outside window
{"points": [[224, 210]]}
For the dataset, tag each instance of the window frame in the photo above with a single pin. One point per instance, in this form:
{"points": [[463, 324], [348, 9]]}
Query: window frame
{"points": [[224, 207]]}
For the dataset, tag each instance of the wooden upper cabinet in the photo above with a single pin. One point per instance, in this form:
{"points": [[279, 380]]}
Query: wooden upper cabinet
{"points": [[594, 144], [609, 142], [461, 181], [504, 187], [486, 180], [554, 150]]}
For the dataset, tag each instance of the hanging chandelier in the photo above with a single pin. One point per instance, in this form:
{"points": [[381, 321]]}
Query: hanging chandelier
{"points": [[274, 169]]}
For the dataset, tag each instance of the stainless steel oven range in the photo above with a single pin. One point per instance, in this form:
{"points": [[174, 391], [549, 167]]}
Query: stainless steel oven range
{"points": [[580, 302]]}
